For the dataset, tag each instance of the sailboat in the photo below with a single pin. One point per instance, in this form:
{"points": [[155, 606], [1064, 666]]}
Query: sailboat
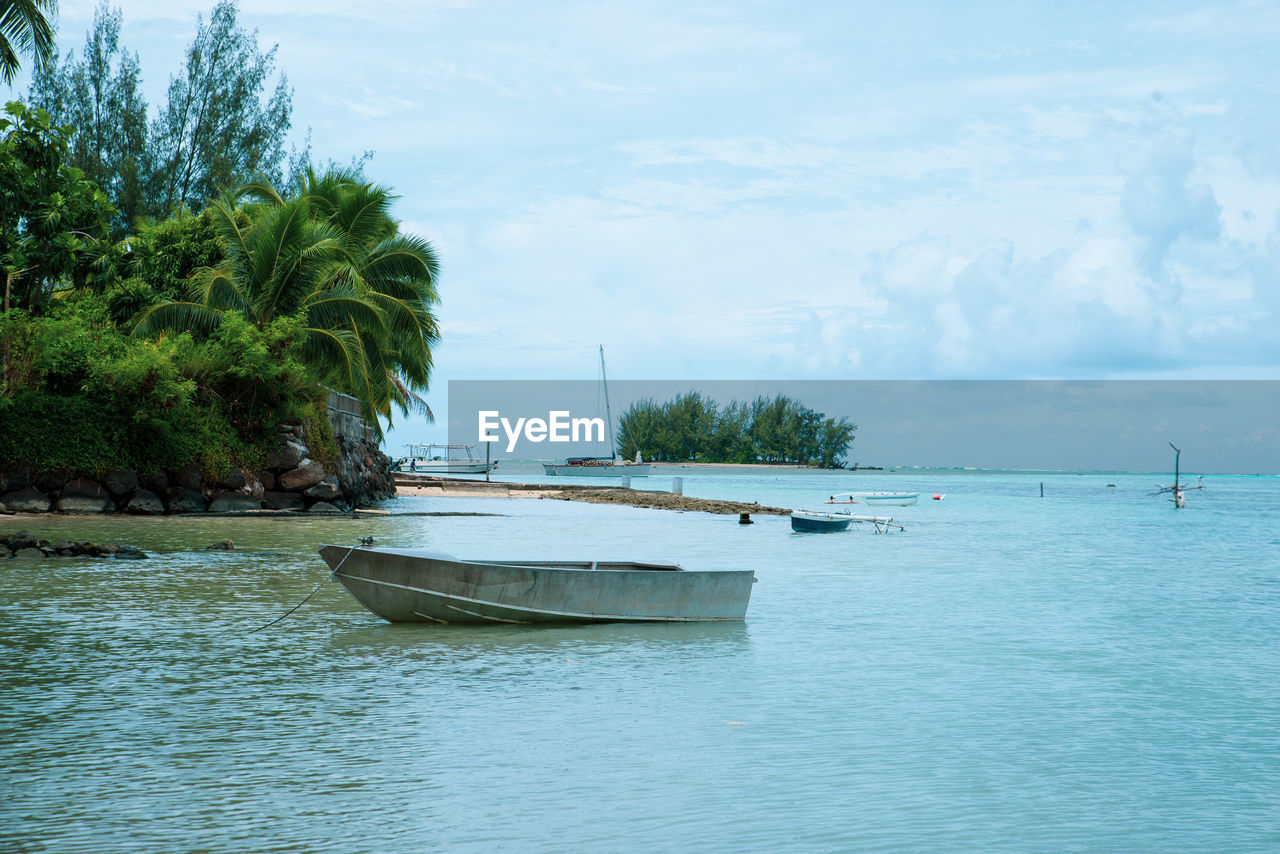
{"points": [[609, 466]]}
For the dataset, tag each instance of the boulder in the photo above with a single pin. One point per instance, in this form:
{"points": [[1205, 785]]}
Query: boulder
{"points": [[22, 540], [65, 548], [222, 545], [121, 483], [253, 486], [157, 482], [291, 454], [323, 491], [324, 507], [32, 552], [145, 503], [4, 511], [268, 481], [303, 477], [283, 501], [82, 495], [189, 477], [185, 501], [14, 479], [28, 500], [116, 550], [51, 481], [291, 427], [245, 482], [234, 502]]}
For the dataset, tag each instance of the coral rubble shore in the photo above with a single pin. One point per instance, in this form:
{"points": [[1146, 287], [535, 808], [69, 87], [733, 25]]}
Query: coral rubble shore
{"points": [[425, 485]]}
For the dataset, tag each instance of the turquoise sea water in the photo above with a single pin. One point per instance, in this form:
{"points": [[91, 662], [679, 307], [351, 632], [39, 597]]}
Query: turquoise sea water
{"points": [[1087, 671]]}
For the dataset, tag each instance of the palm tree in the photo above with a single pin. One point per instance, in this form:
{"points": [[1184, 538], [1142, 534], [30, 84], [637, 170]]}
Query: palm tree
{"points": [[25, 28], [394, 272], [365, 293]]}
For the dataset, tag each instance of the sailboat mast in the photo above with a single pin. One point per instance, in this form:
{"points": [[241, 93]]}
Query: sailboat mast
{"points": [[608, 414]]}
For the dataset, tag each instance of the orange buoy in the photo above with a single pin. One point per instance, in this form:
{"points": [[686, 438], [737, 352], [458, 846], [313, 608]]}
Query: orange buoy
{"points": [[937, 497]]}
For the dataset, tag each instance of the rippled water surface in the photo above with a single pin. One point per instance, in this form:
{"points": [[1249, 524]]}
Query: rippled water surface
{"points": [[1087, 671]]}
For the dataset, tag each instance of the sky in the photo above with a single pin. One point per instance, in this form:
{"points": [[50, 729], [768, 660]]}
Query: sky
{"points": [[820, 191]]}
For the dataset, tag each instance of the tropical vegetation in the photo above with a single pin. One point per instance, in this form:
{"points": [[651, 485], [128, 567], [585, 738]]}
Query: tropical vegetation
{"points": [[174, 287], [765, 430]]}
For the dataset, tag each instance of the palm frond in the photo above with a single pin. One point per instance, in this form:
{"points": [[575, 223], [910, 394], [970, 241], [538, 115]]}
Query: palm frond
{"points": [[332, 309], [405, 258], [25, 28], [414, 402], [176, 317], [262, 190], [227, 223], [216, 287], [339, 356]]}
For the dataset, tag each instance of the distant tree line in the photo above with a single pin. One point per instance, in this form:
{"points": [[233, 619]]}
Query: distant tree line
{"points": [[694, 427]]}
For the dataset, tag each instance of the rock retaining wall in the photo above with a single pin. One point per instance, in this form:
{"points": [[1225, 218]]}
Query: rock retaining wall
{"points": [[290, 480]]}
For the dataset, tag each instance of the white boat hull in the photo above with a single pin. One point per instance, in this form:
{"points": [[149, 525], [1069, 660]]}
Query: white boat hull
{"points": [[893, 500], [883, 499], [445, 467]]}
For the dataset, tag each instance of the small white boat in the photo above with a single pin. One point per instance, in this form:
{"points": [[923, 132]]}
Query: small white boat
{"points": [[420, 586], [897, 499], [596, 467], [443, 459]]}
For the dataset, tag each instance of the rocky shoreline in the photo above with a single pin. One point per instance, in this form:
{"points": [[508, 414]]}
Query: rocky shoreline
{"points": [[291, 481], [24, 544], [435, 485], [668, 501]]}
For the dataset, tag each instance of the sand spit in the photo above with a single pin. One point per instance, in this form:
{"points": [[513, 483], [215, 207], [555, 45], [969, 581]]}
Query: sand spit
{"points": [[668, 501], [457, 488]]}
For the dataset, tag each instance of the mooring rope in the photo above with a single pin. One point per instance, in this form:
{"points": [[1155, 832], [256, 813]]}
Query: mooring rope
{"points": [[364, 541]]}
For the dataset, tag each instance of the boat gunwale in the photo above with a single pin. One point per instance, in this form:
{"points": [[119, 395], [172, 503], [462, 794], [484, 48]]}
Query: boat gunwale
{"points": [[569, 566], [629, 618]]}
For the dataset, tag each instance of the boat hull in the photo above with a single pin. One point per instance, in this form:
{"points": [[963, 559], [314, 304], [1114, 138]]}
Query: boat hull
{"points": [[901, 500], [417, 586], [445, 467], [629, 469], [819, 523], [883, 499]]}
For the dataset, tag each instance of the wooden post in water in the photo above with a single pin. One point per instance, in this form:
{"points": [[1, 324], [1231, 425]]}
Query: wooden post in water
{"points": [[487, 447], [1042, 489]]}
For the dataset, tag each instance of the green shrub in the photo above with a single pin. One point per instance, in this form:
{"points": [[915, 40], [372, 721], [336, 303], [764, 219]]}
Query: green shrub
{"points": [[81, 396]]}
